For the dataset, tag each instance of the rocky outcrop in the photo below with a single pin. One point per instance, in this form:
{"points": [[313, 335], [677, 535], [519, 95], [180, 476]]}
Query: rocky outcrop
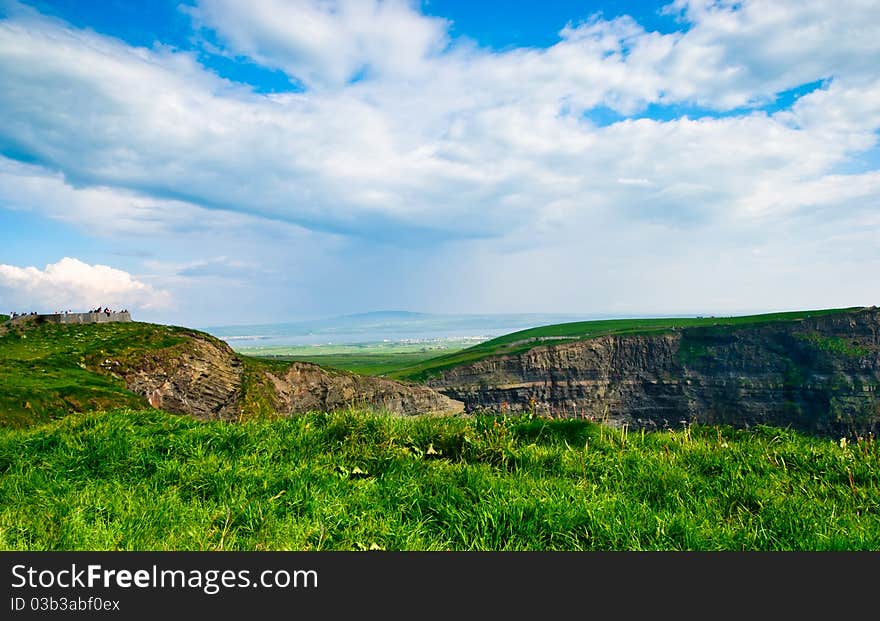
{"points": [[819, 375], [200, 377], [309, 387], [203, 377]]}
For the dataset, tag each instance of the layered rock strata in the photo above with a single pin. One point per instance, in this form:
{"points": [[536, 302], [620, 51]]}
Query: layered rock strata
{"points": [[818, 375]]}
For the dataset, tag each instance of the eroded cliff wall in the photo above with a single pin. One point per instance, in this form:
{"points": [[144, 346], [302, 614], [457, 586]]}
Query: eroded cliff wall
{"points": [[307, 387], [203, 377], [819, 375]]}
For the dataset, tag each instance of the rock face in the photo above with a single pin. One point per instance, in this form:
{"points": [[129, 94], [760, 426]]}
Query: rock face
{"points": [[204, 378], [309, 387], [819, 375], [200, 377]]}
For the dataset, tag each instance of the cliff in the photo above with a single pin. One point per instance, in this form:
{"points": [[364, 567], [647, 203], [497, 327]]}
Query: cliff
{"points": [[199, 376], [50, 369], [304, 387], [818, 374], [202, 376]]}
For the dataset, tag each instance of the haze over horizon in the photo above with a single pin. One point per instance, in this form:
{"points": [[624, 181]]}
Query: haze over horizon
{"points": [[212, 162]]}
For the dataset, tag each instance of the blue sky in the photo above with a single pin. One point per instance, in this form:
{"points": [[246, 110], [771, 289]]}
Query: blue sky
{"points": [[219, 162]]}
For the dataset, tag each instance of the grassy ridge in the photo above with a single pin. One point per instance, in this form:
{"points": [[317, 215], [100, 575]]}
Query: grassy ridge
{"points": [[354, 480], [50, 370], [518, 342]]}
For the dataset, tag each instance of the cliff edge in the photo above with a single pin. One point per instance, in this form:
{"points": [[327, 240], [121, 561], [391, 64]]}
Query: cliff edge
{"points": [[49, 369], [205, 378], [818, 374]]}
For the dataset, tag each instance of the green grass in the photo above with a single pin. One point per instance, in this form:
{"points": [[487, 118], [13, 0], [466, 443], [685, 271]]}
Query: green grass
{"points": [[836, 345], [259, 399], [4, 318], [50, 370], [365, 364], [146, 480], [524, 340], [378, 358]]}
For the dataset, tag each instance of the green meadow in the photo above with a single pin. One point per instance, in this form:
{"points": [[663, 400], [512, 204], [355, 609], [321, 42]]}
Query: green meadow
{"points": [[379, 358], [354, 480], [377, 364]]}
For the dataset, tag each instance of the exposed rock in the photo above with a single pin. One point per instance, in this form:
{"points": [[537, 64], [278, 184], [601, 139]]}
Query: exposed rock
{"points": [[200, 377], [309, 387], [203, 377], [820, 375]]}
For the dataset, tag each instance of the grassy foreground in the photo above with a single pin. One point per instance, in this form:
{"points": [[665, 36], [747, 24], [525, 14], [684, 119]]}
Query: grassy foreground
{"points": [[146, 480]]}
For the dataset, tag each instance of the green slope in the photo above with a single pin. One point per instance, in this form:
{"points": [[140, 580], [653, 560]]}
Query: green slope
{"points": [[51, 370], [524, 340]]}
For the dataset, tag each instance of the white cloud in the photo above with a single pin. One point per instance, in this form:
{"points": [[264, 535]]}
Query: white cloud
{"points": [[72, 284], [328, 43], [112, 212], [441, 143], [100, 210], [728, 54], [479, 144]]}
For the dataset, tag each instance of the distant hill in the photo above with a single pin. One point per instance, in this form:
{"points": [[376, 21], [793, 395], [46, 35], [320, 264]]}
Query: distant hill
{"points": [[386, 315]]}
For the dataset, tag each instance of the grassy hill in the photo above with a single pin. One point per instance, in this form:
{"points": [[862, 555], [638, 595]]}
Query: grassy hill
{"points": [[50, 370], [134, 480], [518, 342]]}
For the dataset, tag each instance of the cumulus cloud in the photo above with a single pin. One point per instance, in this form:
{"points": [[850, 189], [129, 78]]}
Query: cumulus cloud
{"points": [[728, 53], [72, 284], [403, 136], [483, 148], [326, 43]]}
